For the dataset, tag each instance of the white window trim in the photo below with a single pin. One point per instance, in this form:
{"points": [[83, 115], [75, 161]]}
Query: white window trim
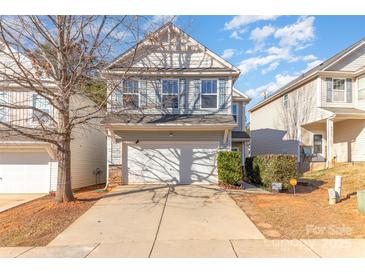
{"points": [[344, 91], [358, 87], [286, 101], [178, 92], [7, 110], [128, 93], [217, 93]]}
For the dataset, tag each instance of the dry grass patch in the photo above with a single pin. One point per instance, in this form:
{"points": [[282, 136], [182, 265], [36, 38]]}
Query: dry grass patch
{"points": [[38, 222], [307, 214]]}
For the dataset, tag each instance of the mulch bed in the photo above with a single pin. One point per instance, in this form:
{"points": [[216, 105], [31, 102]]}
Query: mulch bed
{"points": [[38, 222]]}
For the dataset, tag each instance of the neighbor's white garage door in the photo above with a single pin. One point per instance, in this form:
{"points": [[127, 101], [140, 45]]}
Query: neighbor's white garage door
{"points": [[24, 172], [178, 163]]}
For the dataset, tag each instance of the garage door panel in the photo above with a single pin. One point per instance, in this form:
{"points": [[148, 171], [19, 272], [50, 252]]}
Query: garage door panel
{"points": [[171, 163], [24, 172]]}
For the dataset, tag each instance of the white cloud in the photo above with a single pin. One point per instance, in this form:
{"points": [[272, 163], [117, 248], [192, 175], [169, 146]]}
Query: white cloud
{"points": [[253, 63], [280, 81], [243, 20], [260, 34], [290, 39], [228, 53], [297, 35], [235, 35], [274, 55], [309, 57], [271, 67]]}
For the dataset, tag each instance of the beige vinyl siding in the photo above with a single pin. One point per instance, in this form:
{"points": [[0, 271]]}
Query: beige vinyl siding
{"points": [[21, 97], [88, 152], [349, 140], [54, 174], [274, 128], [178, 59], [352, 62], [173, 51], [88, 149]]}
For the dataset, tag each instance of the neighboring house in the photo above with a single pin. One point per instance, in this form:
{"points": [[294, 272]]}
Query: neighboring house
{"points": [[29, 166], [172, 107], [320, 116]]}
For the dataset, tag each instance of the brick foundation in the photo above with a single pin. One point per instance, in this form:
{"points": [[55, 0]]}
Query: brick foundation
{"points": [[115, 175]]}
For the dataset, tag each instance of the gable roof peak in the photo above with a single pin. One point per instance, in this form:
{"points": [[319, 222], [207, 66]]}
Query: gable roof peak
{"points": [[152, 36]]}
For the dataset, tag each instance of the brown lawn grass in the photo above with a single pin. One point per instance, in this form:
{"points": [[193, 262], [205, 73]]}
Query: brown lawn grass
{"points": [[38, 222], [307, 214]]}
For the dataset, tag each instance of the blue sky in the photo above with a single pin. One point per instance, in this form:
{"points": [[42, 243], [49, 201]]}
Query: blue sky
{"points": [[272, 50]]}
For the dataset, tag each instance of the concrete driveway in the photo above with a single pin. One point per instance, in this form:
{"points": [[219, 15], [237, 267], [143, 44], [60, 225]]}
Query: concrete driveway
{"points": [[161, 221], [8, 201]]}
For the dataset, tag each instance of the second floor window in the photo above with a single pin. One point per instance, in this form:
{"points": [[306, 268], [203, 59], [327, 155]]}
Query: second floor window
{"points": [[42, 109], [130, 94], [361, 87], [170, 93], [234, 111], [286, 100], [209, 97], [339, 90], [4, 111]]}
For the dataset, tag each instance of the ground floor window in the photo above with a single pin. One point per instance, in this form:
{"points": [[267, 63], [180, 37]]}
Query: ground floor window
{"points": [[317, 143]]}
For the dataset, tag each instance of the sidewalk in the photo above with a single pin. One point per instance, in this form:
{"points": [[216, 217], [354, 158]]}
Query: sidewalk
{"points": [[245, 248]]}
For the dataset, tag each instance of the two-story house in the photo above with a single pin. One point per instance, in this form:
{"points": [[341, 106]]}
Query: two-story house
{"points": [[31, 166], [172, 107], [319, 116]]}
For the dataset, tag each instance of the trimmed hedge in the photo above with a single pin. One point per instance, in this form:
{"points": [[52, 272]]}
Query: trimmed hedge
{"points": [[270, 168], [229, 167]]}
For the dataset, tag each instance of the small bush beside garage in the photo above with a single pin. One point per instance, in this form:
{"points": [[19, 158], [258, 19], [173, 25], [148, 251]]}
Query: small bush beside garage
{"points": [[229, 167], [268, 169]]}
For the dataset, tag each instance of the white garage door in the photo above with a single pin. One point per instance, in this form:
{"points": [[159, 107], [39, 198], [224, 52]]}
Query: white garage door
{"points": [[24, 172], [178, 163]]}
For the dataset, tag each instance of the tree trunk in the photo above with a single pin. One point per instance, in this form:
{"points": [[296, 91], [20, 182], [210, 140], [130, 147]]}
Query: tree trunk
{"points": [[64, 188]]}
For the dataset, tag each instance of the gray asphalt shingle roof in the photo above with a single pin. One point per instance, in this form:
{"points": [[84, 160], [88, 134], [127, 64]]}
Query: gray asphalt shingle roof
{"points": [[195, 119]]}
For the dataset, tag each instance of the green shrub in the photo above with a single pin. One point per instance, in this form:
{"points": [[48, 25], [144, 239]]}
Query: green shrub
{"points": [[229, 167], [267, 169]]}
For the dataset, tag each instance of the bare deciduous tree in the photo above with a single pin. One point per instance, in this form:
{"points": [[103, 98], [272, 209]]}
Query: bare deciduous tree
{"points": [[57, 59]]}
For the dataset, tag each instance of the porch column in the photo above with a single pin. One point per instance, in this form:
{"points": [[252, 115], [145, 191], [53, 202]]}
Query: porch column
{"points": [[329, 129]]}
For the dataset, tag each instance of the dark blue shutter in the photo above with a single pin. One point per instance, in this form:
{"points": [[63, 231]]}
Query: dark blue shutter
{"points": [[196, 102], [329, 89], [222, 93], [143, 93], [349, 90]]}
